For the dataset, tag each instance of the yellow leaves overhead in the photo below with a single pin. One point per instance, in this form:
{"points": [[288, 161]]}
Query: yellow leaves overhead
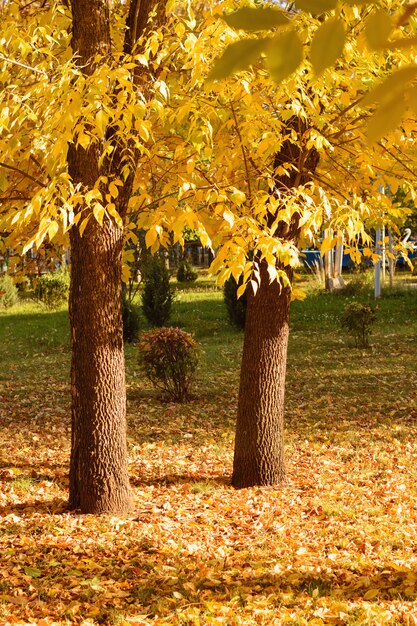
{"points": [[327, 44], [204, 151]]}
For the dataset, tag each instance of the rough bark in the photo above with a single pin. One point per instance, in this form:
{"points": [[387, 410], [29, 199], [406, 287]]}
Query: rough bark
{"points": [[259, 444], [99, 480], [98, 472]]}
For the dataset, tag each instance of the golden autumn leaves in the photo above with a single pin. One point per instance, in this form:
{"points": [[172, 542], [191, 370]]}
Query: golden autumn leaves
{"points": [[283, 52]]}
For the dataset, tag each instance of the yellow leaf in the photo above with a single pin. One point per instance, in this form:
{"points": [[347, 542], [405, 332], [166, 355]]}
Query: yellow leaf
{"points": [[53, 229], [371, 594], [394, 83], [83, 140], [378, 28], [327, 44], [327, 244], [98, 211], [114, 192], [386, 118], [111, 209], [229, 217], [298, 294], [316, 7], [151, 237], [251, 19], [241, 290], [237, 56], [284, 55], [83, 225], [101, 122]]}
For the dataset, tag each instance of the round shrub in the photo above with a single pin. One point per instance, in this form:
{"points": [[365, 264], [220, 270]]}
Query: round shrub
{"points": [[236, 307], [8, 292], [169, 357], [157, 294], [131, 324], [357, 319], [52, 289], [186, 273]]}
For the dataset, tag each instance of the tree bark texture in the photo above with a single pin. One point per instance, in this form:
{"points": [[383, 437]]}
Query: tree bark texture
{"points": [[99, 481], [259, 443], [98, 470]]}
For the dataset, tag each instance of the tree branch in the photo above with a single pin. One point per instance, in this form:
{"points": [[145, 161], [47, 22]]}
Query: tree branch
{"points": [[25, 174], [242, 147], [27, 67]]}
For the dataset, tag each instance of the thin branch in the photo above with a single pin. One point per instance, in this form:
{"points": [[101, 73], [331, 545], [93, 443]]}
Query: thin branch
{"points": [[27, 67], [36, 162], [25, 174], [14, 198], [324, 182], [396, 158], [242, 147]]}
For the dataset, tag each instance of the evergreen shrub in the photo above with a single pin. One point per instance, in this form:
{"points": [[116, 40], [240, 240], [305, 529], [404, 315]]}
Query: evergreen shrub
{"points": [[357, 319], [131, 323], [8, 292], [23, 284], [169, 357], [186, 272], [157, 294], [236, 307]]}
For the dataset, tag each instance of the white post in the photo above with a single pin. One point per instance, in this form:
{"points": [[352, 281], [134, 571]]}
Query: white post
{"points": [[391, 262], [328, 264], [383, 255], [377, 277], [338, 261]]}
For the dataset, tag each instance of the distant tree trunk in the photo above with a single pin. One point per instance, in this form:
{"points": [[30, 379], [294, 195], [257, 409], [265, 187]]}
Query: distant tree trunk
{"points": [[99, 480], [259, 444]]}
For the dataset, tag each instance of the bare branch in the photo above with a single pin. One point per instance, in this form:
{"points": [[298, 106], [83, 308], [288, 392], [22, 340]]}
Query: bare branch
{"points": [[27, 67], [25, 174]]}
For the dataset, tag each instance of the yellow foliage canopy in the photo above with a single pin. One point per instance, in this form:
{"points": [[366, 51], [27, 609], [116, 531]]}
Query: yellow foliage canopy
{"points": [[206, 149]]}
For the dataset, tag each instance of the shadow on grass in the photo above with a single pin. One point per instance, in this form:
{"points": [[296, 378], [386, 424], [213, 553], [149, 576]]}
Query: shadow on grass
{"points": [[54, 506], [197, 482]]}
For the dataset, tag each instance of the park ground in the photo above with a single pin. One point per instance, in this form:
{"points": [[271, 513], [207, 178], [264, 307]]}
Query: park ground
{"points": [[336, 545]]}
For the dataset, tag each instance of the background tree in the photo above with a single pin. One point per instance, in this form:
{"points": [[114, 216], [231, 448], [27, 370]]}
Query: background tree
{"points": [[276, 165]]}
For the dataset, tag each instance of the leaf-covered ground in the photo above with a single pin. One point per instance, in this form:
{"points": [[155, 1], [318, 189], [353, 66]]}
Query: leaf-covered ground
{"points": [[337, 545]]}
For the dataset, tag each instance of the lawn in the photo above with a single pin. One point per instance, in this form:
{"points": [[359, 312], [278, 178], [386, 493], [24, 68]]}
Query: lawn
{"points": [[336, 545]]}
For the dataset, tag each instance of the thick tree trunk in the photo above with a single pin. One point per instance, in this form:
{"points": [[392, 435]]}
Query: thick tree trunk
{"points": [[99, 480], [259, 444], [98, 471]]}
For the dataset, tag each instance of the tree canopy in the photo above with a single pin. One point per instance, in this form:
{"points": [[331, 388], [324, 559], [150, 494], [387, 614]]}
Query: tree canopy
{"points": [[206, 148]]}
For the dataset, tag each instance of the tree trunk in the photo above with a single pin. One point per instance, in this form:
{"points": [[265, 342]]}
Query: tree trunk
{"points": [[259, 444], [98, 471], [99, 480]]}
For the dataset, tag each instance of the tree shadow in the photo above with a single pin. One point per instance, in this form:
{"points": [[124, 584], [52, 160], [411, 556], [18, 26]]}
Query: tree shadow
{"points": [[53, 506], [181, 479]]}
